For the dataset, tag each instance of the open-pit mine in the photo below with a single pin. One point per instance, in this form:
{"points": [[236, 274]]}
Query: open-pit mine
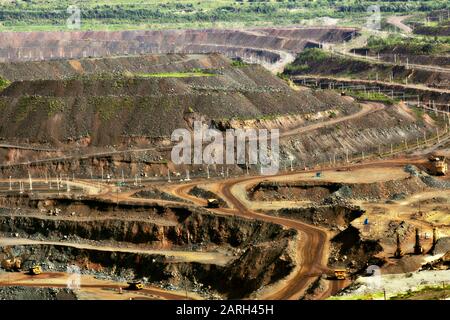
{"points": [[92, 205]]}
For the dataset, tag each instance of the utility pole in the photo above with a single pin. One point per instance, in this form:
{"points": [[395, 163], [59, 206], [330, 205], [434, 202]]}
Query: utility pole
{"points": [[30, 180]]}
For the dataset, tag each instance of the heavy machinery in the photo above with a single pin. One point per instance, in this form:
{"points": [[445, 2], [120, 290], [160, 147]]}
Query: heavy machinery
{"points": [[438, 165], [12, 264], [418, 249], [213, 203], [135, 285], [398, 252], [340, 274], [35, 270]]}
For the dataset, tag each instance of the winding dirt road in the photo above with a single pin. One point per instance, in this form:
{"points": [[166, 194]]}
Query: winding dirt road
{"points": [[397, 21], [312, 245]]}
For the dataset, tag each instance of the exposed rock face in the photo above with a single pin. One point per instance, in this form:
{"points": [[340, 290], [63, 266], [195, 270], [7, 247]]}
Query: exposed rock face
{"points": [[348, 249], [113, 100], [265, 44], [30, 293], [326, 216], [260, 251]]}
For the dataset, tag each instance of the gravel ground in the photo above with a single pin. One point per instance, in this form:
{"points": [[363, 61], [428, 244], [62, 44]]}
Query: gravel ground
{"points": [[30, 293]]}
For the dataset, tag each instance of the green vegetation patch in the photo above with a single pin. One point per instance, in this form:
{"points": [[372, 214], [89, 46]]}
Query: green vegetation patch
{"points": [[4, 83], [427, 293], [371, 96], [27, 15], [109, 107], [238, 63], [309, 57], [416, 45]]}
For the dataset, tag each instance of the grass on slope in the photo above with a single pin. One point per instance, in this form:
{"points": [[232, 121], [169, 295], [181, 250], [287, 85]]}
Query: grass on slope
{"points": [[371, 96], [427, 293], [416, 46], [303, 60], [4, 83]]}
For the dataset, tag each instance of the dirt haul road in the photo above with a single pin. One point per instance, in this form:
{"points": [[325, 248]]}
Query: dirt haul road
{"points": [[397, 21], [367, 108], [312, 245], [182, 256], [90, 287]]}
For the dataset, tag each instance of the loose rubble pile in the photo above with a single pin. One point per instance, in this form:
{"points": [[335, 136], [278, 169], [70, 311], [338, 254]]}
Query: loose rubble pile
{"points": [[31, 293]]}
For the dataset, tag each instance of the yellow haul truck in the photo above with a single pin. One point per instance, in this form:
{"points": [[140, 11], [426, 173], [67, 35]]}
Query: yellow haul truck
{"points": [[35, 270]]}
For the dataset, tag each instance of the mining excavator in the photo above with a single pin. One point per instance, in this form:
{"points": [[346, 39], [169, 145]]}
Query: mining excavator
{"points": [[135, 285], [213, 203], [14, 264], [438, 165]]}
